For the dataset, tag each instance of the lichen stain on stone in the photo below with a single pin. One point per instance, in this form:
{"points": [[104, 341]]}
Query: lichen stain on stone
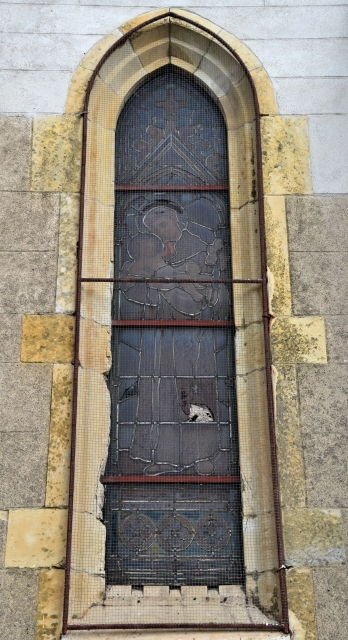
{"points": [[301, 600], [56, 153], [60, 433], [285, 155], [47, 338], [298, 340], [50, 604]]}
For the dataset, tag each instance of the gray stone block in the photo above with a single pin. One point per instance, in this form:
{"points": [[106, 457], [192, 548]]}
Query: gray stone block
{"points": [[3, 535], [324, 418], [25, 397], [10, 337], [28, 282], [18, 603], [23, 469], [337, 338], [331, 602], [317, 223], [15, 141], [29, 221], [319, 283]]}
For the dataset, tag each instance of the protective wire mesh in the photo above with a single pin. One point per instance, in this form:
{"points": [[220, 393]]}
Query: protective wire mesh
{"points": [[173, 519]]}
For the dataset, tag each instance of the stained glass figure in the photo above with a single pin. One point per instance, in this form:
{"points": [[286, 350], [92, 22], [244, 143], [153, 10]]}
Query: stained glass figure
{"points": [[172, 391]]}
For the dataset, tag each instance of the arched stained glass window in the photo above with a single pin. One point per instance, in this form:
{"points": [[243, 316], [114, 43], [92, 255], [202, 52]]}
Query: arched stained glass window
{"points": [[172, 505]]}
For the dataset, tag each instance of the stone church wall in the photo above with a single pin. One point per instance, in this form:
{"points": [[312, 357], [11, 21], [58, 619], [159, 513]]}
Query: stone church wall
{"points": [[303, 48]]}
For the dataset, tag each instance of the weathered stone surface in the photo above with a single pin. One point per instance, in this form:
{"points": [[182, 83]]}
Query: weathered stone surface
{"points": [[28, 221], [89, 544], [3, 535], [15, 137], [95, 341], [28, 281], [301, 600], [317, 223], [298, 340], [76, 94], [285, 149], [50, 605], [331, 602], [56, 156], [23, 465], [85, 591], [323, 402], [18, 602], [67, 252], [60, 432], [329, 153], [10, 337], [319, 283], [278, 254], [265, 92], [337, 338], [184, 635], [25, 397], [47, 338], [36, 538], [313, 537], [289, 444]]}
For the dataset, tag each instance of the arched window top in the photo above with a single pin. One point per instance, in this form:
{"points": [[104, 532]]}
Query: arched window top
{"points": [[171, 132]]}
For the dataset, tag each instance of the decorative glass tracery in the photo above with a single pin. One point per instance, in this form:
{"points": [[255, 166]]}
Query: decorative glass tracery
{"points": [[172, 505]]}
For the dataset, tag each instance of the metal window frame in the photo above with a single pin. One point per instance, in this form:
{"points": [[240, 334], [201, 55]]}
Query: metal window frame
{"points": [[284, 624]]}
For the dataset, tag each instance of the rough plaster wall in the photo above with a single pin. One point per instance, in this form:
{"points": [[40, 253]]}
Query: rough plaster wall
{"points": [[302, 45]]}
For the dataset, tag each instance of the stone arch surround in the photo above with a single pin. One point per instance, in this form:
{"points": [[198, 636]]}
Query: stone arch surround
{"points": [[286, 171]]}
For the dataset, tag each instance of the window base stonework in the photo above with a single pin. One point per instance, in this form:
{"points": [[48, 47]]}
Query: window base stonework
{"points": [[90, 602]]}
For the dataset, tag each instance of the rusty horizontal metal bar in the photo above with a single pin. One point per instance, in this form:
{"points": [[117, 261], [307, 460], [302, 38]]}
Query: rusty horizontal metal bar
{"points": [[172, 323], [205, 187], [170, 479], [178, 281]]}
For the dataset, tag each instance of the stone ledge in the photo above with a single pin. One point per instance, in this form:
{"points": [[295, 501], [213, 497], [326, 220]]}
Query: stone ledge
{"points": [[175, 635], [47, 338], [298, 340]]}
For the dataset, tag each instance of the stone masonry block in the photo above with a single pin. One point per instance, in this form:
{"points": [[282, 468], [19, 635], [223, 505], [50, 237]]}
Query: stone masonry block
{"points": [[285, 154], [47, 338], [3, 536], [289, 443], [25, 391], [331, 599], [56, 156], [60, 432], [67, 252], [28, 221], [278, 255], [298, 340], [10, 337], [301, 600], [23, 467], [313, 537], [323, 403], [36, 538], [50, 605], [18, 602], [15, 137], [319, 282], [317, 223], [337, 338], [28, 281]]}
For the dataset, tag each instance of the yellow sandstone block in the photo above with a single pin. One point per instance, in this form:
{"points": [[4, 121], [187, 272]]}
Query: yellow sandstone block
{"points": [[138, 20], [285, 155], [36, 538], [298, 340], [50, 605], [313, 537], [47, 338], [56, 155], [265, 92], [67, 258], [301, 600], [75, 98], [60, 433], [278, 254]]}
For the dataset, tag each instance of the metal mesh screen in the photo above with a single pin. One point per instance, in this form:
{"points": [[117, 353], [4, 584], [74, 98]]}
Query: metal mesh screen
{"points": [[172, 515]]}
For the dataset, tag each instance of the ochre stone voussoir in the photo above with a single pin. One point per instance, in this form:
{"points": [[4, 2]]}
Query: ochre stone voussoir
{"points": [[56, 153], [36, 538], [298, 340], [47, 338], [278, 255], [50, 605], [285, 155]]}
